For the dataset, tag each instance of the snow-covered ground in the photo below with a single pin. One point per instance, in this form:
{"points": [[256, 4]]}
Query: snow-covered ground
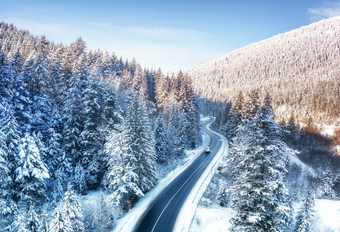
{"points": [[128, 222], [329, 213], [216, 218], [211, 219], [328, 130]]}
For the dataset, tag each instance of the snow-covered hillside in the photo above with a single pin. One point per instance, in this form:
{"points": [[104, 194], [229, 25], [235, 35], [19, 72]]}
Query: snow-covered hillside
{"points": [[300, 69]]}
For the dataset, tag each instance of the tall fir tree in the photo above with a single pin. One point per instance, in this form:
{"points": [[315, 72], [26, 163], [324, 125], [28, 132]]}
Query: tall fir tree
{"points": [[305, 214], [160, 140], [72, 209], [140, 143], [72, 112], [33, 221], [36, 77], [121, 180], [31, 173], [8, 207], [60, 221], [91, 142], [259, 195]]}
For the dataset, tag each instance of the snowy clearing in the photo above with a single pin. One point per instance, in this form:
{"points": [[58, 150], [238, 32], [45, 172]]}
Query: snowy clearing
{"points": [[211, 219], [328, 212], [216, 218]]}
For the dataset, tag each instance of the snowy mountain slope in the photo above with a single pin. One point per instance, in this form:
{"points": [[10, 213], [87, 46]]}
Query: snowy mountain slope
{"points": [[300, 69]]}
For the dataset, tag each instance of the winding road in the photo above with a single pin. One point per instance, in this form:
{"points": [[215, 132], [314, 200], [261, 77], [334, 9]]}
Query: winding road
{"points": [[163, 211]]}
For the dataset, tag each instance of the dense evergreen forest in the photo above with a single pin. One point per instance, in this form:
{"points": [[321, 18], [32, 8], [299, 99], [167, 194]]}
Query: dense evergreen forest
{"points": [[271, 167], [73, 121], [300, 69]]}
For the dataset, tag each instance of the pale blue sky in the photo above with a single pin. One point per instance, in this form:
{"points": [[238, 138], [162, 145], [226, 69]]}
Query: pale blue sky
{"points": [[173, 34]]}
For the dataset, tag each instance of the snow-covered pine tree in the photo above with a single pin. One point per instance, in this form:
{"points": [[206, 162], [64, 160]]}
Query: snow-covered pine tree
{"points": [[120, 179], [236, 114], [91, 142], [54, 144], [10, 127], [161, 89], [72, 111], [252, 104], [33, 221], [79, 179], [259, 196], [105, 218], [7, 205], [72, 209], [44, 223], [160, 140], [174, 132], [31, 173], [56, 83], [20, 101], [305, 214], [60, 221], [19, 223], [140, 143], [7, 79], [36, 77], [111, 112]]}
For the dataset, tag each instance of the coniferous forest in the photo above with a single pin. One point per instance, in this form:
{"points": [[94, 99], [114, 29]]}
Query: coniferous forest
{"points": [[76, 123], [73, 121]]}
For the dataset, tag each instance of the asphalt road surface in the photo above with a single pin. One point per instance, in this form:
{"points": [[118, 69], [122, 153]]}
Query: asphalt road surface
{"points": [[163, 211]]}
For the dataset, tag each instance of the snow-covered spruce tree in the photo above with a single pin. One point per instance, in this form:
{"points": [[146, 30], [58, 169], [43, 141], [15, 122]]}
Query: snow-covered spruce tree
{"points": [[72, 208], [72, 110], [160, 140], [140, 143], [174, 132], [19, 223], [259, 196], [44, 222], [7, 79], [120, 179], [105, 218], [20, 101], [10, 127], [31, 173], [188, 107], [60, 221], [91, 142], [7, 205], [236, 114], [79, 179], [111, 113], [252, 105], [56, 156], [305, 214], [32, 219], [161, 90], [36, 77]]}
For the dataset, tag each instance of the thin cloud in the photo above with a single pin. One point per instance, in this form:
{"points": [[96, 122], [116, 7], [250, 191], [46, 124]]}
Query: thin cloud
{"points": [[167, 48], [331, 10]]}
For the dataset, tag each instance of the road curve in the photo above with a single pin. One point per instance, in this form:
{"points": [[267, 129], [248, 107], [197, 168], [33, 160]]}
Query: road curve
{"points": [[163, 211]]}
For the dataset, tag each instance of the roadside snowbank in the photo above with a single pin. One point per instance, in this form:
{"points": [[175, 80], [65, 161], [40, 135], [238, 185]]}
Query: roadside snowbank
{"points": [[128, 222]]}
